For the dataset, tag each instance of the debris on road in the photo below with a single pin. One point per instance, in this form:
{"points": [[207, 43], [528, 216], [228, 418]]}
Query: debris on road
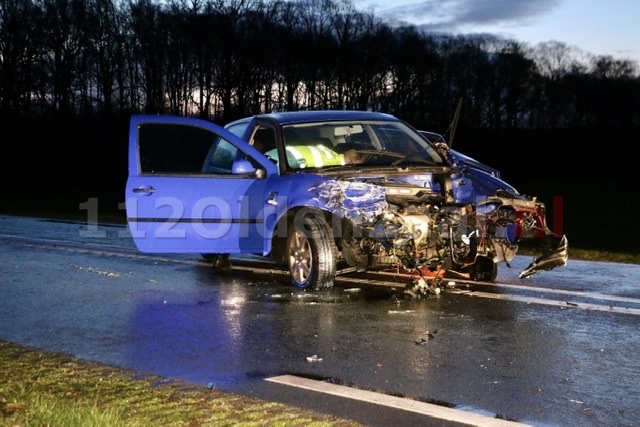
{"points": [[423, 287], [426, 337], [94, 270]]}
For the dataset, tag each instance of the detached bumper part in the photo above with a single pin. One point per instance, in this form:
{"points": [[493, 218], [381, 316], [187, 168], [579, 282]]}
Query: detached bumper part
{"points": [[555, 256]]}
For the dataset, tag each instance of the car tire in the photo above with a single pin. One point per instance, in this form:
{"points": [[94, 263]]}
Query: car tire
{"points": [[311, 253], [484, 270]]}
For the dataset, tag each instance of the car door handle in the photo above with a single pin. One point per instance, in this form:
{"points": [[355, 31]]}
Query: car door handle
{"points": [[272, 198], [147, 190]]}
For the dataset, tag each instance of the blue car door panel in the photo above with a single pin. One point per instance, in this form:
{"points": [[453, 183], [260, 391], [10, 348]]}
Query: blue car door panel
{"points": [[183, 192]]}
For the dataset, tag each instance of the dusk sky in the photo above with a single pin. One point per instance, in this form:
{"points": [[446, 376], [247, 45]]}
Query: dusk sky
{"points": [[600, 27]]}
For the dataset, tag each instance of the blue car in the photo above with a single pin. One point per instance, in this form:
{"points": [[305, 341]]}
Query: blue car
{"points": [[325, 192]]}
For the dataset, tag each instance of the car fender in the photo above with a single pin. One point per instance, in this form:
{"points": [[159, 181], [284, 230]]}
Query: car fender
{"points": [[351, 200]]}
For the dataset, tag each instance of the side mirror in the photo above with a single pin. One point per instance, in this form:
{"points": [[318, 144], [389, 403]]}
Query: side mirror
{"points": [[243, 167]]}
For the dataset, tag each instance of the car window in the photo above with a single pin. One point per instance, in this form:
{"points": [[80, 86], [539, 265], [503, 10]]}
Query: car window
{"points": [[238, 129], [343, 143], [264, 139], [220, 157], [172, 148]]}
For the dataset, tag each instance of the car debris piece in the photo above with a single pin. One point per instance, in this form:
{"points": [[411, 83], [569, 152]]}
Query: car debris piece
{"points": [[422, 286], [314, 358], [555, 256], [426, 337]]}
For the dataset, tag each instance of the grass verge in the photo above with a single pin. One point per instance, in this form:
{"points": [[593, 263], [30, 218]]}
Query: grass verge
{"points": [[46, 389]]}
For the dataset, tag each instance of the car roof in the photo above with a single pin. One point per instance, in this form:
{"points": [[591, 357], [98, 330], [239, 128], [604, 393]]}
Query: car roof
{"points": [[292, 117]]}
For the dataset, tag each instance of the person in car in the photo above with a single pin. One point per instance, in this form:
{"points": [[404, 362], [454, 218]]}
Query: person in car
{"points": [[315, 156]]}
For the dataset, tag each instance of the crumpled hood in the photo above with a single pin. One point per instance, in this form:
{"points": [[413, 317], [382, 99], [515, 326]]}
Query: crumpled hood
{"points": [[460, 160], [471, 185]]}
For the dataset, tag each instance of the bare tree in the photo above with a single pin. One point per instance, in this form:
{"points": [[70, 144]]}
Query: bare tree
{"points": [[64, 54], [555, 59], [608, 67], [288, 55], [150, 49], [315, 20], [353, 67], [20, 54], [514, 75], [106, 50], [467, 75]]}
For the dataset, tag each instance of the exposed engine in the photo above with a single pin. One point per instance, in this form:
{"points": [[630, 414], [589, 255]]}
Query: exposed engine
{"points": [[412, 234], [387, 224], [425, 236]]}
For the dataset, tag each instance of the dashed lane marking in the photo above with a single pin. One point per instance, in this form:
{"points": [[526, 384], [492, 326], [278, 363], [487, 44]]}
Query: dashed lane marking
{"points": [[423, 408]]}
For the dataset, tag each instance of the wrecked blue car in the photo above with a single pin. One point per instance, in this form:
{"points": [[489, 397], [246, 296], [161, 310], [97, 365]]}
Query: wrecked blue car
{"points": [[325, 192]]}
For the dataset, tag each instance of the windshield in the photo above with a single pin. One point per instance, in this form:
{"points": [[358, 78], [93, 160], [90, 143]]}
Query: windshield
{"points": [[320, 145]]}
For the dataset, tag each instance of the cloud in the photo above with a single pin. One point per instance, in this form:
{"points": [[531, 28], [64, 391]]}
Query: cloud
{"points": [[453, 15]]}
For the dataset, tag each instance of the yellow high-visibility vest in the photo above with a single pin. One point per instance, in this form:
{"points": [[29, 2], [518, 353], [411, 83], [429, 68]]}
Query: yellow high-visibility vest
{"points": [[313, 156], [310, 156]]}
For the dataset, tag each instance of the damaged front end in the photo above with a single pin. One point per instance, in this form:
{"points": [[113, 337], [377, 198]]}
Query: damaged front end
{"points": [[522, 219], [442, 220]]}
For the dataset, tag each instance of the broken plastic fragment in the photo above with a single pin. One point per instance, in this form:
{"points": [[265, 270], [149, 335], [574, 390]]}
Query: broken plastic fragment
{"points": [[314, 358], [552, 258], [427, 336]]}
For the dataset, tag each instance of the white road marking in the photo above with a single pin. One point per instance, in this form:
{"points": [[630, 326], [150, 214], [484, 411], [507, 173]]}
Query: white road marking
{"points": [[398, 283], [542, 301], [593, 295], [428, 409]]}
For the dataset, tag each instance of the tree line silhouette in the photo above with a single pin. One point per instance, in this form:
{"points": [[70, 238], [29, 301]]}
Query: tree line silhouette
{"points": [[221, 59]]}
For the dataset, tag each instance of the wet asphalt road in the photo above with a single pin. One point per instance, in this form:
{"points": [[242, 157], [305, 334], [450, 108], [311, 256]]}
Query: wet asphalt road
{"points": [[561, 348]]}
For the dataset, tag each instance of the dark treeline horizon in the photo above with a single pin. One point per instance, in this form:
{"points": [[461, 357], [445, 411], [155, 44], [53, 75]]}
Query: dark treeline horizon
{"points": [[224, 59]]}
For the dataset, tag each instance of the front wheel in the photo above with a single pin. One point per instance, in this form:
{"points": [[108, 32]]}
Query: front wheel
{"points": [[311, 253]]}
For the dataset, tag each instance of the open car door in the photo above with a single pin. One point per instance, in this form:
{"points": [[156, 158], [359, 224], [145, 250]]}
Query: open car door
{"points": [[194, 187]]}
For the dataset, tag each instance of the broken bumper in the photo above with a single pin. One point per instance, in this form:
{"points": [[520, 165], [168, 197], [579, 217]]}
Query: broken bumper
{"points": [[555, 256]]}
